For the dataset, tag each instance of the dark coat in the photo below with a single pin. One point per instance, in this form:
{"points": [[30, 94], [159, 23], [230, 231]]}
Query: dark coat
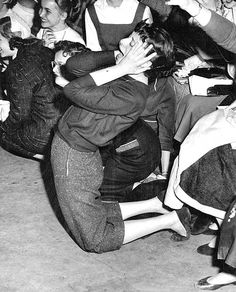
{"points": [[34, 99]]}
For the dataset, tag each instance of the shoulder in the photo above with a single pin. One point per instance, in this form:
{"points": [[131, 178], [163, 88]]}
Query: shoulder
{"points": [[18, 24], [73, 35]]}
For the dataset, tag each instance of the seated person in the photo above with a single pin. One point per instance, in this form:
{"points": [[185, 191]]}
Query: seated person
{"points": [[191, 107], [217, 151], [35, 106], [54, 14]]}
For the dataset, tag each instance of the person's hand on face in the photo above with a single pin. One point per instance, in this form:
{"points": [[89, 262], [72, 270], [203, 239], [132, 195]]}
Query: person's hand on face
{"points": [[48, 38], [136, 61]]}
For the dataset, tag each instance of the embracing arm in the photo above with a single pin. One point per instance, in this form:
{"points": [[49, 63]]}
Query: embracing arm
{"points": [[135, 61], [88, 91], [84, 63], [118, 98]]}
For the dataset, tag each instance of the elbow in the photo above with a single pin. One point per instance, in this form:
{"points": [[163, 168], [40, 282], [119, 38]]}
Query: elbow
{"points": [[67, 90]]}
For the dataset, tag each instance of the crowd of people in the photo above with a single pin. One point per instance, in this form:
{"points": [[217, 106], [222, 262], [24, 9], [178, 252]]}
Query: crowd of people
{"points": [[101, 90]]}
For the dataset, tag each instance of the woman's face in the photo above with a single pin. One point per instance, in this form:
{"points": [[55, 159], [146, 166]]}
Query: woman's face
{"points": [[5, 50], [127, 43], [51, 15], [59, 60]]}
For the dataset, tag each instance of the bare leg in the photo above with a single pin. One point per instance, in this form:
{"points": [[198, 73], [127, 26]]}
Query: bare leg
{"points": [[131, 209], [212, 242], [135, 229], [165, 161]]}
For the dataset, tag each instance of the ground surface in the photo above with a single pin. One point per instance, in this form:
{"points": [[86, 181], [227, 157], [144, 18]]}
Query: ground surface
{"points": [[36, 253]]}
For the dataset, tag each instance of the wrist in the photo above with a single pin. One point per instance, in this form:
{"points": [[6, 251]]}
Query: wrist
{"points": [[123, 69]]}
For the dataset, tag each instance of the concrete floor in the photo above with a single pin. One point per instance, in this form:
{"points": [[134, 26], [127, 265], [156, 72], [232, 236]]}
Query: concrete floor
{"points": [[36, 253]]}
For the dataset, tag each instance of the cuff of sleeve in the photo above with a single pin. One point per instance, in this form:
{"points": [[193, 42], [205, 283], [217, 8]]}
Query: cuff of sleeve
{"points": [[203, 17]]}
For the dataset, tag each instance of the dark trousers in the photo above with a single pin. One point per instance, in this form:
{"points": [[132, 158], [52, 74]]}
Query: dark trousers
{"points": [[131, 157]]}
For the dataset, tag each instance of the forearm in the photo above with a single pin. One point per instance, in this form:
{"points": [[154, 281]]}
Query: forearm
{"points": [[84, 63], [221, 30], [224, 35], [118, 99], [106, 75]]}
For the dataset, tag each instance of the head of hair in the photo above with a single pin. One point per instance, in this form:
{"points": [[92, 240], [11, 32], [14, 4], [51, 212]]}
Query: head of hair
{"points": [[65, 5], [69, 48], [162, 44]]}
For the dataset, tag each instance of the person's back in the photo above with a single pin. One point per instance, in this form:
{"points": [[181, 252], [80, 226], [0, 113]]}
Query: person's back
{"points": [[35, 105]]}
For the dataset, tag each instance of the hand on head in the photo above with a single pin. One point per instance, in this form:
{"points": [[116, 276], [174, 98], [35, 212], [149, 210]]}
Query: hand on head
{"points": [[137, 59]]}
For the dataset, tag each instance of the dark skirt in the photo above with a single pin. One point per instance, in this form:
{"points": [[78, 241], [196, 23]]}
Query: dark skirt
{"points": [[211, 181], [227, 243]]}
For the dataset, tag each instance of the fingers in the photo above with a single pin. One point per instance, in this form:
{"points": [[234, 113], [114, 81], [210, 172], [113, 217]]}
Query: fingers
{"points": [[48, 37], [141, 49]]}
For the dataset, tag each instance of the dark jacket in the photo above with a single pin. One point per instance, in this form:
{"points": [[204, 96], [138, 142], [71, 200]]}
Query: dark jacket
{"points": [[34, 101], [100, 112]]}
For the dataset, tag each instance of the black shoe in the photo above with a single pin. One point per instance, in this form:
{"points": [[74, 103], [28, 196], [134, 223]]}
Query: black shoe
{"points": [[211, 232], [201, 224], [205, 249], [185, 218], [203, 284]]}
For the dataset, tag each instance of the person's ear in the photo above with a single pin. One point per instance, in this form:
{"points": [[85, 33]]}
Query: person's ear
{"points": [[64, 15]]}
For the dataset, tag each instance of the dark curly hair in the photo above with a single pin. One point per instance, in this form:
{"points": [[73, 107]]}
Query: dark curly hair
{"points": [[163, 45], [65, 5], [70, 48]]}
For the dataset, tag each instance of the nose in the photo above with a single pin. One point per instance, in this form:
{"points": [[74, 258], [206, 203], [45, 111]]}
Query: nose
{"points": [[56, 69], [125, 42], [41, 12]]}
